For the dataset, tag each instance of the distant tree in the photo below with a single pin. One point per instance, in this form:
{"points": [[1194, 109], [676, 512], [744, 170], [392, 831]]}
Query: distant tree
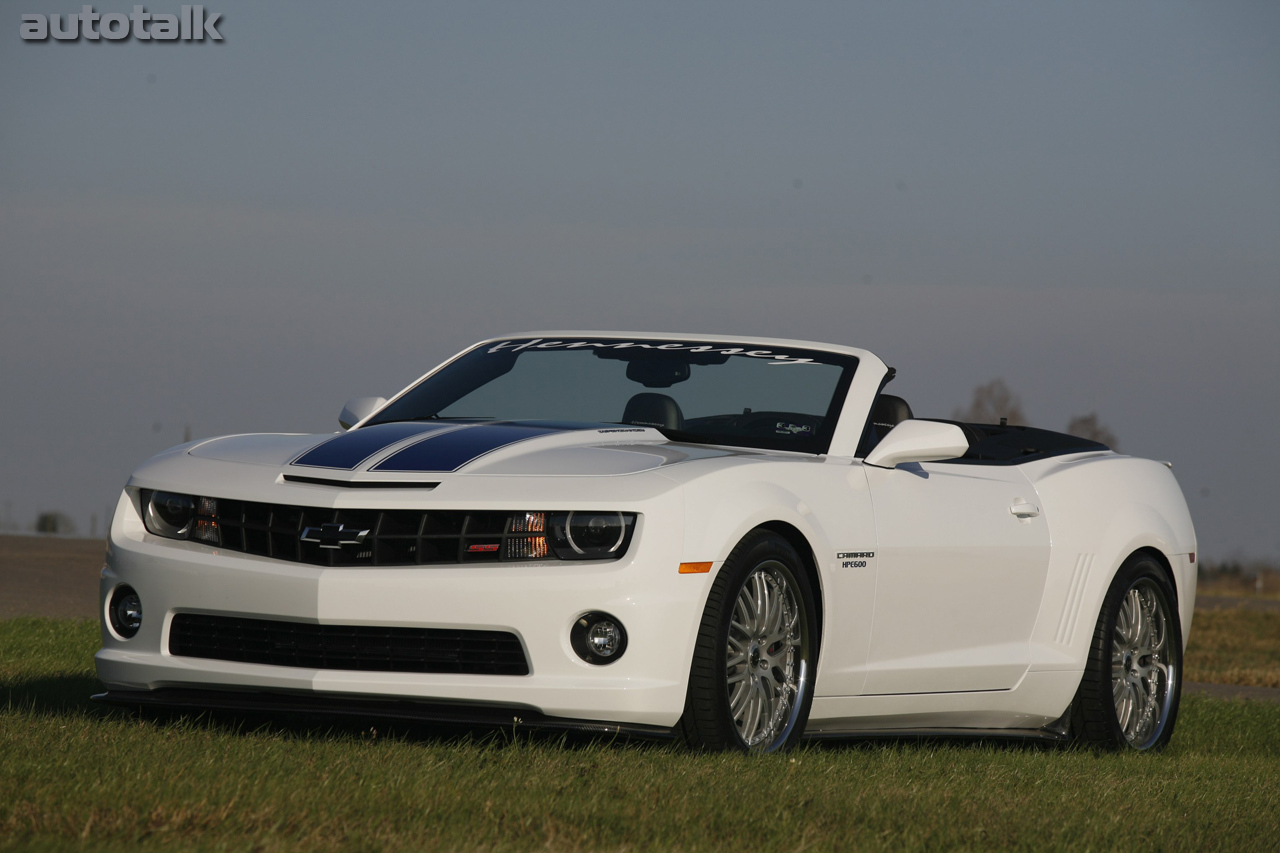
{"points": [[990, 403], [1088, 426], [54, 522]]}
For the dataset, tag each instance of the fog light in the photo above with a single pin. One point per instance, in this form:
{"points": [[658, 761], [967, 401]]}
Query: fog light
{"points": [[125, 611], [598, 638], [604, 638]]}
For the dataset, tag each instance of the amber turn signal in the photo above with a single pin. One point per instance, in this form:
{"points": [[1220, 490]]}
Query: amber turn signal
{"points": [[694, 568]]}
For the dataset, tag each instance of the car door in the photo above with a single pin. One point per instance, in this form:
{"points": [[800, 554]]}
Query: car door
{"points": [[961, 558]]}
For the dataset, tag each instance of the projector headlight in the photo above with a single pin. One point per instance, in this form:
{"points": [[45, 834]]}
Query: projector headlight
{"points": [[168, 514], [555, 535], [591, 535]]}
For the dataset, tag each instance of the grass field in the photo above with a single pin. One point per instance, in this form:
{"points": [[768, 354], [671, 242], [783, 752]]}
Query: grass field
{"points": [[73, 776], [1260, 582], [1235, 647]]}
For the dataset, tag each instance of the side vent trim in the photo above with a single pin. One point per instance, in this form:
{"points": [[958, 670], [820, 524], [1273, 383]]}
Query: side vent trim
{"points": [[1075, 594]]}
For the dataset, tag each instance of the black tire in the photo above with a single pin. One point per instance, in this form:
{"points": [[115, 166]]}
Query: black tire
{"points": [[1117, 705], [777, 676]]}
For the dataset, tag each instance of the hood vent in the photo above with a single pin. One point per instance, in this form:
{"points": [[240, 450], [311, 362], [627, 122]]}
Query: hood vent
{"points": [[358, 484]]}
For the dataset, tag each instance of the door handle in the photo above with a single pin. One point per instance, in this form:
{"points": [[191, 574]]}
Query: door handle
{"points": [[1022, 509]]}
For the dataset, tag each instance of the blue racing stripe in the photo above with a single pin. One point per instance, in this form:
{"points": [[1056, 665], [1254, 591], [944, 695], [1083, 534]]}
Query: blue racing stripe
{"points": [[347, 451], [451, 451]]}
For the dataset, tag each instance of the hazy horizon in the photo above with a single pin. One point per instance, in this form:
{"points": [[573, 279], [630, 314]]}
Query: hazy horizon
{"points": [[1083, 200]]}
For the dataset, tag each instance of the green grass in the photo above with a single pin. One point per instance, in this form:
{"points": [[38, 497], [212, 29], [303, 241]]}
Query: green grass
{"points": [[1235, 647], [73, 776]]}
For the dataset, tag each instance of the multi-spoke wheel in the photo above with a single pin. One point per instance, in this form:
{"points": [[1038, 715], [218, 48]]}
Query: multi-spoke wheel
{"points": [[751, 682], [1133, 680], [764, 670]]}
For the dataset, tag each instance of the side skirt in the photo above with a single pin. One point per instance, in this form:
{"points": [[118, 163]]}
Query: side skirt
{"points": [[1043, 735]]}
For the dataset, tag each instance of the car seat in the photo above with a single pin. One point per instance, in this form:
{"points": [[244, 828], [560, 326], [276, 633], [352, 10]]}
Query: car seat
{"points": [[655, 410], [886, 413]]}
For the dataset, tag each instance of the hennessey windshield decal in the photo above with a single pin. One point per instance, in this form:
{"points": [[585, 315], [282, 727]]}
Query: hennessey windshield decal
{"points": [[451, 451], [345, 452], [539, 343]]}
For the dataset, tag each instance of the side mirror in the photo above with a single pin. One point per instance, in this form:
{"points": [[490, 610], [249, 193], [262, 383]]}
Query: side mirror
{"points": [[918, 441], [359, 408]]}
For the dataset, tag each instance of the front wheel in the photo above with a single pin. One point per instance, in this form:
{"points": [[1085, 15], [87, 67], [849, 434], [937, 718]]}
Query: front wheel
{"points": [[1132, 682], [751, 683]]}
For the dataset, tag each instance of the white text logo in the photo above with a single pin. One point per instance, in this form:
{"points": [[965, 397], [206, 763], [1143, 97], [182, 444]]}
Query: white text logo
{"points": [[539, 343]]}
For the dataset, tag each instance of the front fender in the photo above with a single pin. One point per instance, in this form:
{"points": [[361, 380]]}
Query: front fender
{"points": [[714, 525]]}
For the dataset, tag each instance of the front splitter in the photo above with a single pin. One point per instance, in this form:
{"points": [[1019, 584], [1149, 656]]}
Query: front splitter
{"points": [[349, 708]]}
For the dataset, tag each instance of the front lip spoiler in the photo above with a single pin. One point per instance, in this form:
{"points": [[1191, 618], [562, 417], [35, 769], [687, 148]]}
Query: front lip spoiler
{"points": [[331, 705]]}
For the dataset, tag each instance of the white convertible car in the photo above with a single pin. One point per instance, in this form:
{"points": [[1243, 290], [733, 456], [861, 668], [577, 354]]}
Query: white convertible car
{"points": [[740, 542]]}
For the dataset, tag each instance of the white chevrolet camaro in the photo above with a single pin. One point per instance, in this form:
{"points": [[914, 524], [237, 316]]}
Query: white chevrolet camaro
{"points": [[740, 542]]}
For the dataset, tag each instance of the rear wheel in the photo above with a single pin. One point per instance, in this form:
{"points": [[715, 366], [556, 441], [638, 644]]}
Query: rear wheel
{"points": [[1132, 683], [751, 683]]}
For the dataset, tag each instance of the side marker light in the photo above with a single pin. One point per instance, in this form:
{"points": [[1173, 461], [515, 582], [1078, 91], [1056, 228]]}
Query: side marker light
{"points": [[694, 568]]}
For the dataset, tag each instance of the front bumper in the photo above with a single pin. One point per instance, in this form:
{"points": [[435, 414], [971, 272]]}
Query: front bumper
{"points": [[659, 608]]}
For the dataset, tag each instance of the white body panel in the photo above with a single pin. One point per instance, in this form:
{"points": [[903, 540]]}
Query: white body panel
{"points": [[962, 613], [959, 578]]}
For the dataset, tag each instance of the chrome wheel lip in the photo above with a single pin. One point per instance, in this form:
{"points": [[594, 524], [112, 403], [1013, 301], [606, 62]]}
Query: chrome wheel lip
{"points": [[1144, 664], [766, 669]]}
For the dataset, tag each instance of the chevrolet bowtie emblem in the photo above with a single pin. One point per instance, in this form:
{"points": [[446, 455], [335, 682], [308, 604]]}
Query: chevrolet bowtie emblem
{"points": [[333, 535]]}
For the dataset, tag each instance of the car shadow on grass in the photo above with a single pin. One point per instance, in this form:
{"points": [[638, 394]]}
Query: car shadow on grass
{"points": [[319, 725], [323, 727], [69, 695], [56, 695]]}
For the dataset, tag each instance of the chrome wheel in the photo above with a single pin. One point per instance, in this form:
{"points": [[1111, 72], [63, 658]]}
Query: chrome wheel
{"points": [[1132, 681], [1143, 668], [751, 677], [765, 670]]}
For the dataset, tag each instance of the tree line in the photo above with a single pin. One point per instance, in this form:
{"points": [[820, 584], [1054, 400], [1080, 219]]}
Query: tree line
{"points": [[995, 400]]}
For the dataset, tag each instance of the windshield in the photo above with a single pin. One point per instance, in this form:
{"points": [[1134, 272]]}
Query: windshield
{"points": [[710, 393]]}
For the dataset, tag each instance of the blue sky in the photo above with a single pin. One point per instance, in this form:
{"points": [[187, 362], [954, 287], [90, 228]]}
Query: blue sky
{"points": [[1081, 198]]}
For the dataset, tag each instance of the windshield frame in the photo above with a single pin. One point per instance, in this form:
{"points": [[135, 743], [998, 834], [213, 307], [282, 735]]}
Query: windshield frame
{"points": [[777, 351]]}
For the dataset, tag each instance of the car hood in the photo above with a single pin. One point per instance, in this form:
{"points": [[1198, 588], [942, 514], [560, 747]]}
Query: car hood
{"points": [[415, 451]]}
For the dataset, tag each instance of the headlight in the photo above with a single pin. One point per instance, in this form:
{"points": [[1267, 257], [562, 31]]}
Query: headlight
{"points": [[548, 535], [168, 514], [591, 535]]}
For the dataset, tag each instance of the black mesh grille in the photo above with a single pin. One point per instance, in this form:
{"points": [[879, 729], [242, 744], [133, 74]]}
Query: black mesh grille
{"points": [[351, 647], [393, 537]]}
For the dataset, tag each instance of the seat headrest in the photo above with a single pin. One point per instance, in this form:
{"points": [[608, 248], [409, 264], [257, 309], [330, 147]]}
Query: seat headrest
{"points": [[888, 412], [655, 410]]}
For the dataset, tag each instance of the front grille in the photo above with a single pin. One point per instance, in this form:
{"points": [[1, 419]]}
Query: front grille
{"points": [[395, 537], [363, 648]]}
